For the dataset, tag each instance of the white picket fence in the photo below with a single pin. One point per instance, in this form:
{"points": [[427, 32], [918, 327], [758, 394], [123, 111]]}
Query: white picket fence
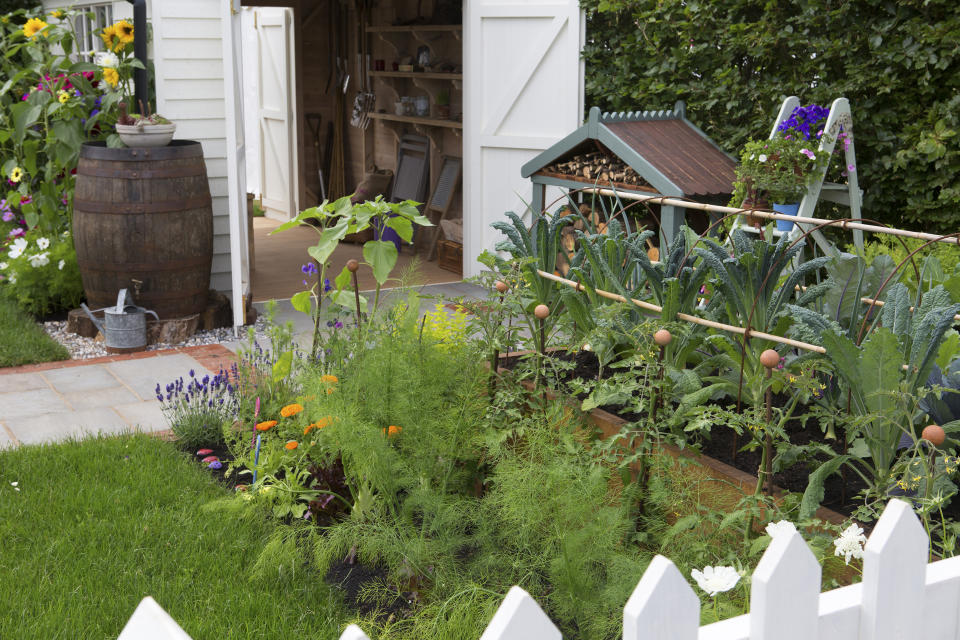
{"points": [[901, 598]]}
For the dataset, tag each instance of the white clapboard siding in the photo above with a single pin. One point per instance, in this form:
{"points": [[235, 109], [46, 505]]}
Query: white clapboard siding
{"points": [[901, 597], [188, 57]]}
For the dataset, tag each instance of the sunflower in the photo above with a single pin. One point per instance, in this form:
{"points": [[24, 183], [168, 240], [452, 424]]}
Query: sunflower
{"points": [[57, 14], [107, 35], [110, 76], [16, 174], [63, 97], [33, 27], [124, 31], [291, 410]]}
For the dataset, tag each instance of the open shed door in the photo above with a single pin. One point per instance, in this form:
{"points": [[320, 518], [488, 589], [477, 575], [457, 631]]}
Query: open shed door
{"points": [[236, 164], [276, 95], [523, 91]]}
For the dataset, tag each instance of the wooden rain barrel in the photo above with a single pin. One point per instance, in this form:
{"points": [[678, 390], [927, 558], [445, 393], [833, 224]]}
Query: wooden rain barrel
{"points": [[144, 214]]}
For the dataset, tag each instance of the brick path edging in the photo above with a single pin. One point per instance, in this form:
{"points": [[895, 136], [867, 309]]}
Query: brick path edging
{"points": [[212, 356]]}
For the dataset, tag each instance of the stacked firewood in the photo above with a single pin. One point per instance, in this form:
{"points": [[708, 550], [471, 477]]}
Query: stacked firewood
{"points": [[598, 166]]}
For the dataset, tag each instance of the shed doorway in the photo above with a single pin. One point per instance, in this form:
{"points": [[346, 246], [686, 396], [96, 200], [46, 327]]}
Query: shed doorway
{"points": [[374, 81]]}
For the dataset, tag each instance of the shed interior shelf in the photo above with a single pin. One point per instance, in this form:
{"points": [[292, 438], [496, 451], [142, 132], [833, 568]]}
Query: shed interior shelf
{"points": [[430, 122], [414, 27], [428, 75]]}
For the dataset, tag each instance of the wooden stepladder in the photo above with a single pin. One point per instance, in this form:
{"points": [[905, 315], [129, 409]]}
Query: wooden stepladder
{"points": [[839, 120]]}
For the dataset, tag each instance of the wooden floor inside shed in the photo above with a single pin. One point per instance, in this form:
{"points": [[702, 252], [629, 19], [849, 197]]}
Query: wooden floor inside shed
{"points": [[278, 258]]}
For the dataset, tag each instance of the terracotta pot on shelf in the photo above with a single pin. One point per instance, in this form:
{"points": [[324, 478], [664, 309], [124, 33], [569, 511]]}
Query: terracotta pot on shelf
{"points": [[752, 201]]}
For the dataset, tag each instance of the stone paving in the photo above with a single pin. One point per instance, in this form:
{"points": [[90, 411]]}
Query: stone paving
{"points": [[58, 400]]}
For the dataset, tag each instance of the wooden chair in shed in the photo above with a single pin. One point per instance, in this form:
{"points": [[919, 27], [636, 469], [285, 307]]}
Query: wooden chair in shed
{"points": [[451, 171]]}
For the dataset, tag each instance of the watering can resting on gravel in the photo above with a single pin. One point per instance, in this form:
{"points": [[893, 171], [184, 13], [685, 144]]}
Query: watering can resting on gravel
{"points": [[124, 326]]}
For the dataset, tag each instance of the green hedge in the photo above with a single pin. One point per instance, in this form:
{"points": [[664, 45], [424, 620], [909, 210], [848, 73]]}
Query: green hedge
{"points": [[733, 62]]}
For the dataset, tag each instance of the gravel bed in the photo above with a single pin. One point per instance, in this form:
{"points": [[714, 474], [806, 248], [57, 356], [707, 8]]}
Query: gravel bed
{"points": [[81, 348]]}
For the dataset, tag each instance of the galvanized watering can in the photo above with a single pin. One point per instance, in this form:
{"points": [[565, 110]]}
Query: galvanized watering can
{"points": [[124, 326]]}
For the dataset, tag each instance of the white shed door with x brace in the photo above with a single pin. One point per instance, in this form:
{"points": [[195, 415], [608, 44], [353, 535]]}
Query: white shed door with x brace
{"points": [[523, 91], [275, 75]]}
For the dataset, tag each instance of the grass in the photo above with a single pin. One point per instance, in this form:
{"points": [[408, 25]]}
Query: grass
{"points": [[99, 524], [23, 341]]}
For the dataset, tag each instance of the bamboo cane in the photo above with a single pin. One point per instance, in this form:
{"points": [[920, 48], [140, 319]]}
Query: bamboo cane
{"points": [[674, 202], [687, 317]]}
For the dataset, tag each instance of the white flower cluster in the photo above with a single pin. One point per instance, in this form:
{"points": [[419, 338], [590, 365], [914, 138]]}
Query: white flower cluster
{"points": [[716, 580], [850, 543], [39, 259], [107, 59]]}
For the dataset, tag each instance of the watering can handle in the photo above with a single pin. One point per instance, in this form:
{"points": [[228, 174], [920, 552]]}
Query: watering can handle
{"points": [[122, 300], [93, 318], [153, 313]]}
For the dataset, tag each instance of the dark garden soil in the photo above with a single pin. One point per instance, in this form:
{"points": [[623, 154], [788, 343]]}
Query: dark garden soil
{"points": [[841, 490], [355, 580]]}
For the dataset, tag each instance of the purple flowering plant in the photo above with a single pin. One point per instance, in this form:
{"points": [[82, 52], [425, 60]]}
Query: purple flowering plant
{"points": [[199, 407], [780, 169]]}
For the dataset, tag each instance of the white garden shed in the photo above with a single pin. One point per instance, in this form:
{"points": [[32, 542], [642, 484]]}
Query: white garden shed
{"points": [[521, 84]]}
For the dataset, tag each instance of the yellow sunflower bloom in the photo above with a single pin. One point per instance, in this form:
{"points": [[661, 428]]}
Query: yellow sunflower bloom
{"points": [[124, 31], [111, 77], [107, 36], [33, 27], [57, 14], [63, 97], [16, 174]]}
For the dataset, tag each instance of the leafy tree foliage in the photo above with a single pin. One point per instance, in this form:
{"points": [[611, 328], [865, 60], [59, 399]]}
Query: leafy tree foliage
{"points": [[733, 62], [6, 6]]}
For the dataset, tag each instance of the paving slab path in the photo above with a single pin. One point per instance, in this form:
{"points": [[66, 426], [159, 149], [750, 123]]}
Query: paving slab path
{"points": [[58, 400]]}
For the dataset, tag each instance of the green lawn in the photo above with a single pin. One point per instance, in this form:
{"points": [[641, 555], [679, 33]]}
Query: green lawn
{"points": [[23, 341], [100, 524]]}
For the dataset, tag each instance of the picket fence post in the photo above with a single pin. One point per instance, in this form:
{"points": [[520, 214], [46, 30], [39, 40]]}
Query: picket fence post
{"points": [[150, 622], [353, 632], [894, 576], [519, 617], [786, 586], [662, 606]]}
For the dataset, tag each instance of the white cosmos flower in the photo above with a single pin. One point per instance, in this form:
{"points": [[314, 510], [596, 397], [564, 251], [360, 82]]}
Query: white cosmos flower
{"points": [[19, 246], [106, 59], [716, 580], [39, 260], [61, 265], [783, 527], [763, 157], [3, 265], [43, 243], [850, 543]]}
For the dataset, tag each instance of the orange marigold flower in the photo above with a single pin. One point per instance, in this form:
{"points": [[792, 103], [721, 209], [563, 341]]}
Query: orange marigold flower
{"points": [[329, 378], [392, 430], [324, 421], [309, 428], [330, 390], [293, 444], [291, 410], [269, 424]]}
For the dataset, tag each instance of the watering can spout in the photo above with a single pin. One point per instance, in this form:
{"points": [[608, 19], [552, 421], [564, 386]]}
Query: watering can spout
{"points": [[93, 318]]}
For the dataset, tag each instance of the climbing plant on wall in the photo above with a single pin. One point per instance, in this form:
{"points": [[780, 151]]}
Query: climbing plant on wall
{"points": [[734, 61]]}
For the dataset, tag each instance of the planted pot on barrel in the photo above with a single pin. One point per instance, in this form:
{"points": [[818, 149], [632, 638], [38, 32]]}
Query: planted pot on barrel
{"points": [[142, 220]]}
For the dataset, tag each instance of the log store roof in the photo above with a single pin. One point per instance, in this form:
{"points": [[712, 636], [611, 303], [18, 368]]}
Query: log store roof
{"points": [[668, 151]]}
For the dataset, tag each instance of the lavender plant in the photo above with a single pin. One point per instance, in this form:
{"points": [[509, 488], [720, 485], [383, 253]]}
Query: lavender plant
{"points": [[199, 408]]}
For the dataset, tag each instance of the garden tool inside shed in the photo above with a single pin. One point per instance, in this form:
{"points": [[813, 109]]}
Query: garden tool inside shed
{"points": [[313, 121]]}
